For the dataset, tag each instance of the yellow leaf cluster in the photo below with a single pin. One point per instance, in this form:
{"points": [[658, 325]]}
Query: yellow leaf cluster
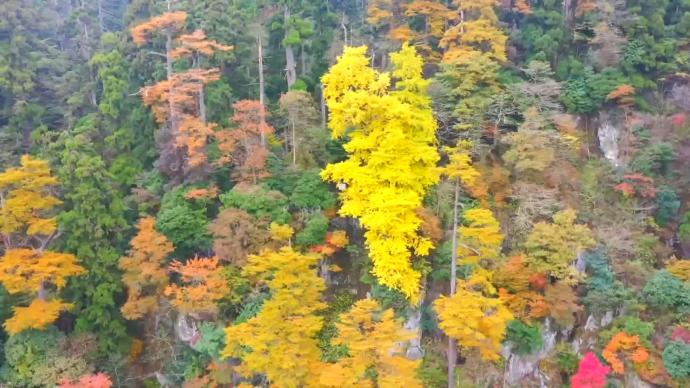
{"points": [[553, 247], [460, 164], [27, 270], [37, 315], [280, 341], [435, 12], [477, 34], [280, 232], [474, 320], [26, 196], [374, 340], [681, 269], [392, 157], [338, 239], [480, 237], [144, 274]]}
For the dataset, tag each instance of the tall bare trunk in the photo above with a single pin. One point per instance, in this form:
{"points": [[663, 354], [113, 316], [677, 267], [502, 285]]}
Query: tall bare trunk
{"points": [[294, 144], [200, 94], [303, 59], [323, 107], [100, 16], [567, 13], [262, 87], [290, 64], [452, 344], [169, 75]]}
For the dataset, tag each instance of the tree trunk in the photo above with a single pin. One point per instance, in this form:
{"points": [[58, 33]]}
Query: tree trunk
{"points": [[169, 75], [567, 14], [100, 16], [262, 87], [294, 144], [452, 344], [290, 64], [303, 59], [344, 27], [323, 107], [201, 98], [42, 292]]}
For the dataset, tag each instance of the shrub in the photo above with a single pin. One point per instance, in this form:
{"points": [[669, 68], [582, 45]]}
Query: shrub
{"points": [[676, 358], [664, 290], [524, 338]]}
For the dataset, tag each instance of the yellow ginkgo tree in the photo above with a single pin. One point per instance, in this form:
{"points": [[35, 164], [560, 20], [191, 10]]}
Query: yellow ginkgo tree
{"points": [[391, 161], [27, 226]]}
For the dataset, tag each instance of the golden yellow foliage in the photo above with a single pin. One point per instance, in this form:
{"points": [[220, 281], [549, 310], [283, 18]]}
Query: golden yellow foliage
{"points": [[460, 164], [480, 237], [144, 274], [553, 247], [374, 340], [37, 315], [392, 158], [279, 342], [435, 12], [474, 320], [477, 34], [26, 197], [681, 269], [27, 270], [281, 232], [338, 239]]}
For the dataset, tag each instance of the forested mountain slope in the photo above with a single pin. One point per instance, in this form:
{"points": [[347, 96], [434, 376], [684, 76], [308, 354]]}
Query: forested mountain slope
{"points": [[344, 193]]}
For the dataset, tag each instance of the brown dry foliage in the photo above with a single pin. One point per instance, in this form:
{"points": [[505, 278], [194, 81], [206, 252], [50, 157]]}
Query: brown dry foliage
{"points": [[236, 235]]}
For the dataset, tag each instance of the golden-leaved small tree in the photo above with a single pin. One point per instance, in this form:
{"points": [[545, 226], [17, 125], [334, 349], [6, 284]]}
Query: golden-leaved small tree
{"points": [[474, 319], [553, 247], [374, 340], [27, 227], [280, 341], [144, 274]]}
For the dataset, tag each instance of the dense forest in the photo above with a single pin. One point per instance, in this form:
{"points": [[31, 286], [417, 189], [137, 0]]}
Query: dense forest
{"points": [[344, 193]]}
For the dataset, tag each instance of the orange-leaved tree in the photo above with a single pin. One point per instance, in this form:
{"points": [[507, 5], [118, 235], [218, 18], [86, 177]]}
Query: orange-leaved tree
{"points": [[144, 274], [204, 285], [27, 227], [243, 145], [178, 101], [630, 346], [374, 340], [279, 341]]}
